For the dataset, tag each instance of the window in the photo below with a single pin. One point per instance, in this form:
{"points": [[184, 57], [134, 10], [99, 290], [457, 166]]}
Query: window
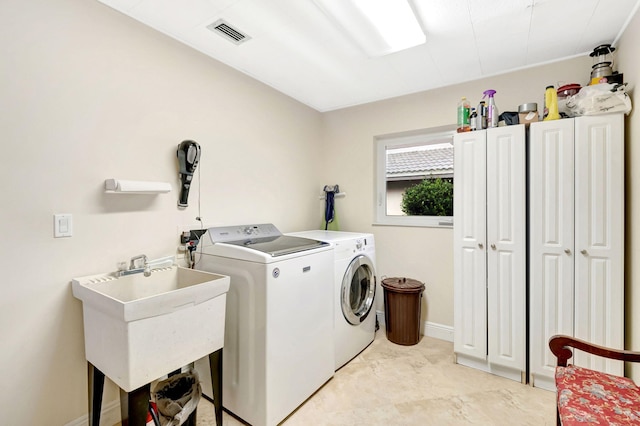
{"points": [[408, 159]]}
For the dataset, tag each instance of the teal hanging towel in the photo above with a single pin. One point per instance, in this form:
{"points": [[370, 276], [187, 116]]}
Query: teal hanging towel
{"points": [[330, 220]]}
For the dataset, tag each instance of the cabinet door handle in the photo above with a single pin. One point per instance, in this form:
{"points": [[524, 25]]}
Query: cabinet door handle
{"points": [[480, 245], [568, 251], [583, 251], [493, 246]]}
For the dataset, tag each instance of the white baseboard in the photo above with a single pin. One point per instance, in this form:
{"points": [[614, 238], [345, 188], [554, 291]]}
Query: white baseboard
{"points": [[438, 331], [110, 415], [429, 329]]}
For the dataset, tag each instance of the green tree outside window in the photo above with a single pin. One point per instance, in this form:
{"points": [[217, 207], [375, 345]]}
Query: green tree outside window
{"points": [[431, 197]]}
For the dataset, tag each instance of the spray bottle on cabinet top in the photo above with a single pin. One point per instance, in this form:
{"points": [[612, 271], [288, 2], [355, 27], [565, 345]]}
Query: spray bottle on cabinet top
{"points": [[492, 110]]}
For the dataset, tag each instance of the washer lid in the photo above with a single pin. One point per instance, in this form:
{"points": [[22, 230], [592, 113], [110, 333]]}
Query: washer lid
{"points": [[279, 246], [265, 238]]}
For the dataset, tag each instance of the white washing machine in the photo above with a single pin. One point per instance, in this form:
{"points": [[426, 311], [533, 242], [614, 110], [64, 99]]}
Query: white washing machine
{"points": [[354, 290], [278, 346]]}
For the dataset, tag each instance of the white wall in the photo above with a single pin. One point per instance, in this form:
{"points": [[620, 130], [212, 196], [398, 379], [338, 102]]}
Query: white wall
{"points": [[89, 94], [421, 253]]}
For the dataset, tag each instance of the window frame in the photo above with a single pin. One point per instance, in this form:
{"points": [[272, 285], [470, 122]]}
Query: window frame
{"points": [[416, 138]]}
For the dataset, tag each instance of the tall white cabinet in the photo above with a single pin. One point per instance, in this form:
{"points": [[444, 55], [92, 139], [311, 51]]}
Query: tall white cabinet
{"points": [[490, 250], [576, 219]]}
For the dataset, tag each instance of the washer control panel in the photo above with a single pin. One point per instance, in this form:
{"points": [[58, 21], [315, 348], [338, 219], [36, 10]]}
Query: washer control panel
{"points": [[223, 234]]}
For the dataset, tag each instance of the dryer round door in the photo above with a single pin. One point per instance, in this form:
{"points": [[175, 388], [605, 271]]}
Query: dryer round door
{"points": [[358, 290]]}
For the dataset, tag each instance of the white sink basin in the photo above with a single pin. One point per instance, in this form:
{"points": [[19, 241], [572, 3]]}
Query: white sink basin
{"points": [[137, 328]]}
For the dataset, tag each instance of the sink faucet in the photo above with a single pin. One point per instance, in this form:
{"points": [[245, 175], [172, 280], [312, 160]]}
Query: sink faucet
{"points": [[133, 267], [134, 259]]}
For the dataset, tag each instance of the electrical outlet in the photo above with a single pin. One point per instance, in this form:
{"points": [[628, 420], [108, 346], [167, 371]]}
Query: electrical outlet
{"points": [[190, 233], [193, 235], [184, 237]]}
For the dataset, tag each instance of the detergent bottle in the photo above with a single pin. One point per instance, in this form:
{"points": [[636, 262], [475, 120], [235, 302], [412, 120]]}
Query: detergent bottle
{"points": [[464, 108], [473, 119], [492, 110], [481, 120], [551, 104]]}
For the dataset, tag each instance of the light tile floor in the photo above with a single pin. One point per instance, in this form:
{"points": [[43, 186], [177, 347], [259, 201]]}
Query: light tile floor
{"points": [[389, 384]]}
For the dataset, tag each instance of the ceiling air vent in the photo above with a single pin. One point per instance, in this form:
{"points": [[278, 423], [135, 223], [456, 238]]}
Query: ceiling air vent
{"points": [[227, 31]]}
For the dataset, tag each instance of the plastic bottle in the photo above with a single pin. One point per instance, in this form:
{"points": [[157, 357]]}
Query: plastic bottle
{"points": [[473, 120], [481, 121], [551, 104], [492, 110], [464, 108]]}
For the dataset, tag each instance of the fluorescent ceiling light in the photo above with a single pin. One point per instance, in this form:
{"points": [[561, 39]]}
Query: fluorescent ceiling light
{"points": [[379, 27]]}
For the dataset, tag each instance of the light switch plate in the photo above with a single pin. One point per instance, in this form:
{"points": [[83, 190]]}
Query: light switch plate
{"points": [[62, 225]]}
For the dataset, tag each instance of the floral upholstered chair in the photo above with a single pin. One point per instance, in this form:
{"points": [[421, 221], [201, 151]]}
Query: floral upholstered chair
{"points": [[587, 396]]}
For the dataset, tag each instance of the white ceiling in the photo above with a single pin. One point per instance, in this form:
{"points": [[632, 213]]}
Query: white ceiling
{"points": [[297, 50]]}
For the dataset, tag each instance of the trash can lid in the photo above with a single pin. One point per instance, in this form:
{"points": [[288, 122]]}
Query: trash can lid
{"points": [[403, 285]]}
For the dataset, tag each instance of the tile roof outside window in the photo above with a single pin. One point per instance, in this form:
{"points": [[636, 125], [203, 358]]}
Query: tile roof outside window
{"points": [[420, 162]]}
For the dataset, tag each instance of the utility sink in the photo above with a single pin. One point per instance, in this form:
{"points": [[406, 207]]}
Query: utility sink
{"points": [[138, 329]]}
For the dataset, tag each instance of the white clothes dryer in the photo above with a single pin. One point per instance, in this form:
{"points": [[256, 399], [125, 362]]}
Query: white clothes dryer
{"points": [[354, 290], [278, 345]]}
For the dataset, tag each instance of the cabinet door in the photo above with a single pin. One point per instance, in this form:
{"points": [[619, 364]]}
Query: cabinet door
{"points": [[551, 242], [599, 285], [469, 260], [506, 233]]}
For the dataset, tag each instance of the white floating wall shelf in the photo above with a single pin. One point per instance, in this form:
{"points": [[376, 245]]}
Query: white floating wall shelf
{"points": [[117, 186]]}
